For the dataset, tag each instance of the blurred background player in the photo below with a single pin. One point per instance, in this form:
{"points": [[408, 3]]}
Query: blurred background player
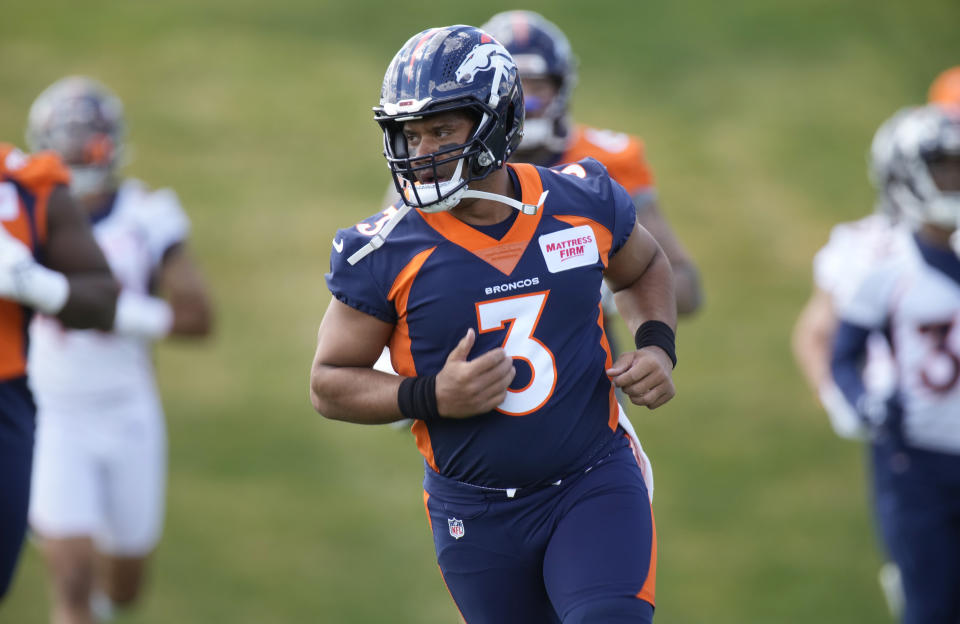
{"points": [[100, 468], [854, 249], [74, 284], [913, 297], [548, 71]]}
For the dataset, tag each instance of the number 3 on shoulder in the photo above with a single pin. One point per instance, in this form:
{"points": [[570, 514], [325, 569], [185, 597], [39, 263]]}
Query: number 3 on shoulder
{"points": [[523, 312]]}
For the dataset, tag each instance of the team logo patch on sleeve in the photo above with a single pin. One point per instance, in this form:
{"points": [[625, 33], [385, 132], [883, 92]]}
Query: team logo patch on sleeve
{"points": [[570, 248], [456, 527]]}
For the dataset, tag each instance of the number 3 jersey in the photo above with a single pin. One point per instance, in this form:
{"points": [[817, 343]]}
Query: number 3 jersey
{"points": [[535, 292], [914, 296]]}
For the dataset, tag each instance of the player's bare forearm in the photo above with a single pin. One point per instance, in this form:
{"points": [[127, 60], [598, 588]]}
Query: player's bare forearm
{"points": [[72, 250], [343, 384], [354, 394], [641, 279], [687, 287], [686, 284], [92, 301], [812, 339], [182, 284]]}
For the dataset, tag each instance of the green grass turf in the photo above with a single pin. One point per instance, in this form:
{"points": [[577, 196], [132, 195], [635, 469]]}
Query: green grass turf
{"points": [[757, 116]]}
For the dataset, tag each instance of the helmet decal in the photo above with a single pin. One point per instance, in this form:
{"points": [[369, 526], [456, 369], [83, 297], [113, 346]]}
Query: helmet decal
{"points": [[483, 57]]}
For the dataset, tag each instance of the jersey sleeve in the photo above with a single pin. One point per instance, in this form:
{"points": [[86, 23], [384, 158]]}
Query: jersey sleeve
{"points": [[623, 155], [600, 198], [354, 284], [624, 216], [37, 171], [164, 223], [869, 304], [828, 262]]}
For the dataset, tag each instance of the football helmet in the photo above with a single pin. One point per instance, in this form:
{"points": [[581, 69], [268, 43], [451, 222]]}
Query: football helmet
{"points": [[946, 87], [881, 166], [541, 50], [925, 138], [82, 121], [455, 68]]}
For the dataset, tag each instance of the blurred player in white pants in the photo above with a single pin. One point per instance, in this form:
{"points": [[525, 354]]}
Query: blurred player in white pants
{"points": [[100, 465]]}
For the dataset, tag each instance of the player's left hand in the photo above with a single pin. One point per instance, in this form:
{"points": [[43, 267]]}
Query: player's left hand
{"points": [[644, 375]]}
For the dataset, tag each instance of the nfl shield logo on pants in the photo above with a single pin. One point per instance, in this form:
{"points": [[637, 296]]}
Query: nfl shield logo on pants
{"points": [[456, 527]]}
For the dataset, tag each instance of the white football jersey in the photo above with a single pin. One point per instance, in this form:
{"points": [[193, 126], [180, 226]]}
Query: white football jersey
{"points": [[921, 307], [854, 249], [71, 366]]}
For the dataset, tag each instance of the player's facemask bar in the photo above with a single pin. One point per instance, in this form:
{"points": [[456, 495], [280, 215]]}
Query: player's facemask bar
{"points": [[437, 196]]}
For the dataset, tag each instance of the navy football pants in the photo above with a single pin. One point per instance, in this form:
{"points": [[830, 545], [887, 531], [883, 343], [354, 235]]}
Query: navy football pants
{"points": [[917, 503], [17, 420], [578, 553]]}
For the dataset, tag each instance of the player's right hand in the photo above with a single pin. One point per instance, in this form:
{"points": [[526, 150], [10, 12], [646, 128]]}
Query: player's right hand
{"points": [[467, 388]]}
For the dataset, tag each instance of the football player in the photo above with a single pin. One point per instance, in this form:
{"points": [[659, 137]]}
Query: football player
{"points": [[100, 467], [485, 282], [548, 71], [853, 249], [38, 220], [913, 297]]}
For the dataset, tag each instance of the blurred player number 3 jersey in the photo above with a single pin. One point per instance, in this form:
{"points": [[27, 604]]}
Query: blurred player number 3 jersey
{"points": [[25, 186], [532, 288]]}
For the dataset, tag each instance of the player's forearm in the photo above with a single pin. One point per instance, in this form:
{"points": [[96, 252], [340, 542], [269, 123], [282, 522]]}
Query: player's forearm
{"points": [[353, 394], [687, 288], [91, 303], [813, 359], [192, 314], [650, 297]]}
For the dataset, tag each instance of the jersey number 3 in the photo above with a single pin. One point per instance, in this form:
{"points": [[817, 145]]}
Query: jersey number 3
{"points": [[522, 313]]}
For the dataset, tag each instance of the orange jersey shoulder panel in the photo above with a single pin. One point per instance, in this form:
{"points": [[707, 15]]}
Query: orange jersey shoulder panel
{"points": [[622, 154], [37, 171], [25, 186]]}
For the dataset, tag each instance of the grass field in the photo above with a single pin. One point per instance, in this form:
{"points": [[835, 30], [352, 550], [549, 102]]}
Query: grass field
{"points": [[757, 116]]}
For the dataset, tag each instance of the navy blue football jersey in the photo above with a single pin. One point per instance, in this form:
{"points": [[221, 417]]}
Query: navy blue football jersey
{"points": [[535, 292]]}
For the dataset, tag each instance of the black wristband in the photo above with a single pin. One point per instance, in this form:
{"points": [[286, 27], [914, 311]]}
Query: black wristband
{"points": [[417, 398], [657, 334]]}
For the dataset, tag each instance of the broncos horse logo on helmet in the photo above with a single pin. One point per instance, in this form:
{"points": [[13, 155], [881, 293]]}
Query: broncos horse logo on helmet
{"points": [[455, 68], [483, 57]]}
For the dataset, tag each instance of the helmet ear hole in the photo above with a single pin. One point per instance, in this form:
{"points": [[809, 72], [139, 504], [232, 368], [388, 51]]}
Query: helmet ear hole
{"points": [[398, 143]]}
